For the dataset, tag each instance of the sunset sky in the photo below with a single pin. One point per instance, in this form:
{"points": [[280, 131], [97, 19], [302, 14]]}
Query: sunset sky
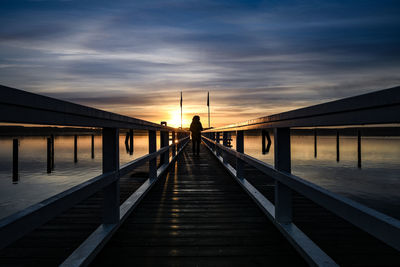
{"points": [[255, 57]]}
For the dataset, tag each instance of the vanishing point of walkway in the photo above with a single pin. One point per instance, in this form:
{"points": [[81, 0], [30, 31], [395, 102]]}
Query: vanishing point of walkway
{"points": [[197, 215]]}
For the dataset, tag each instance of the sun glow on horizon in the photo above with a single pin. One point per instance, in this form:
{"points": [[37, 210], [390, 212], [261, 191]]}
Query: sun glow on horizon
{"points": [[175, 119]]}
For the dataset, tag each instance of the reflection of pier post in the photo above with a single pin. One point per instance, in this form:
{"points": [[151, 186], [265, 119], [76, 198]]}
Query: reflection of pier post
{"points": [[49, 155], [315, 143], [265, 134], [92, 146], [75, 148], [15, 161], [130, 142], [263, 142], [337, 146], [127, 142], [359, 149]]}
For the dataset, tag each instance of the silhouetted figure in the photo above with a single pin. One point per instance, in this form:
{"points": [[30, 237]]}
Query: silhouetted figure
{"points": [[196, 128]]}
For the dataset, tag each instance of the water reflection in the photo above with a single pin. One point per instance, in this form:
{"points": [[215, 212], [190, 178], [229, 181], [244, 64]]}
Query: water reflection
{"points": [[75, 160]]}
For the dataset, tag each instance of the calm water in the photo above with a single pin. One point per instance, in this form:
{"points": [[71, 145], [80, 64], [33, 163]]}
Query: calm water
{"points": [[35, 184], [376, 184]]}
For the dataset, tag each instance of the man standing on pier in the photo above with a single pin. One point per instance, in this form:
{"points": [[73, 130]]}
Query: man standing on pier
{"points": [[196, 128]]}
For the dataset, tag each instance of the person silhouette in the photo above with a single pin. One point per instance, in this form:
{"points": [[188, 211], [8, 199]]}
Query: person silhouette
{"points": [[196, 128]]}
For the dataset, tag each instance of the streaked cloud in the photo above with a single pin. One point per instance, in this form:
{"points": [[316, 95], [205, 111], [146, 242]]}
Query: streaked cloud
{"points": [[256, 57]]}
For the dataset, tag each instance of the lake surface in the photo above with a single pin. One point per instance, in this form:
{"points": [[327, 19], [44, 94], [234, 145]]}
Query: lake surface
{"points": [[376, 184]]}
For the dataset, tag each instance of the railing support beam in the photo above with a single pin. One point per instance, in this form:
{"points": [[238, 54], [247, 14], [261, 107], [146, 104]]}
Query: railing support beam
{"points": [[283, 194], [111, 164], [174, 145], [164, 138], [152, 148], [239, 148]]}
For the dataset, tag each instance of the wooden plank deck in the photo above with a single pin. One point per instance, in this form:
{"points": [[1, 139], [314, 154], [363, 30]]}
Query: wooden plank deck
{"points": [[198, 216]]}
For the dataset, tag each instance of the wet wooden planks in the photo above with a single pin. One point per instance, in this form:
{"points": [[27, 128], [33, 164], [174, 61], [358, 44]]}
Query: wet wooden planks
{"points": [[197, 216]]}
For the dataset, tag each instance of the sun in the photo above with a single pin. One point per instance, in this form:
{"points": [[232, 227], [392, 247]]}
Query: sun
{"points": [[175, 119]]}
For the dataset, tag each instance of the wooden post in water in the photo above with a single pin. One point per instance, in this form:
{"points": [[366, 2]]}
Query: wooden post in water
{"points": [[52, 152], [110, 149], [92, 146], [337, 146], [49, 155], [265, 135], [359, 149], [315, 143], [130, 142], [152, 148], [283, 194], [239, 148], [75, 148], [15, 176]]}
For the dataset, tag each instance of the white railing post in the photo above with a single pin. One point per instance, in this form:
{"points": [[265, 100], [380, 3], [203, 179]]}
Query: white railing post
{"points": [[224, 143], [152, 148], [224, 138], [239, 148], [174, 146], [283, 194], [164, 136], [217, 150], [111, 164], [213, 138]]}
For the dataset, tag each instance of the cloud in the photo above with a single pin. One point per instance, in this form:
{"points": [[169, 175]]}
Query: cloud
{"points": [[133, 56]]}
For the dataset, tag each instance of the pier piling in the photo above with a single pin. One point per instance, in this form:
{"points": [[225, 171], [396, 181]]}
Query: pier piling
{"points": [[15, 177], [52, 151], [75, 148], [130, 142], [92, 146], [337, 146], [49, 155], [359, 149], [315, 143]]}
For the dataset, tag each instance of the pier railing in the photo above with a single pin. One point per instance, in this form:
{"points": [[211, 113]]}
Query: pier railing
{"points": [[380, 107], [18, 106]]}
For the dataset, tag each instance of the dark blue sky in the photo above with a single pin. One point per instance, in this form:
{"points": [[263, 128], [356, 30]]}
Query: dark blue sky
{"points": [[255, 57]]}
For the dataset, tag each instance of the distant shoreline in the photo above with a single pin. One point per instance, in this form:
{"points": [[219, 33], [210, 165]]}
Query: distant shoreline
{"points": [[8, 131]]}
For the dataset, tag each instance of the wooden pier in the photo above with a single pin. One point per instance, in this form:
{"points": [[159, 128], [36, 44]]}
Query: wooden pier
{"points": [[222, 208], [197, 215]]}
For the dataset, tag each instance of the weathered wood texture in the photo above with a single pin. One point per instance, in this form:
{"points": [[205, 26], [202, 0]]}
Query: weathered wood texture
{"points": [[198, 216], [53, 242], [346, 244]]}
